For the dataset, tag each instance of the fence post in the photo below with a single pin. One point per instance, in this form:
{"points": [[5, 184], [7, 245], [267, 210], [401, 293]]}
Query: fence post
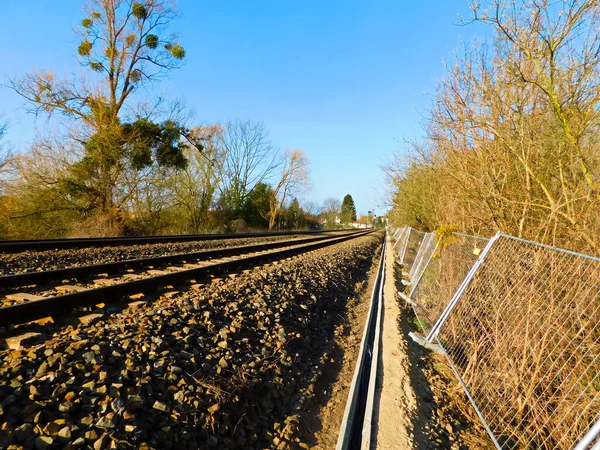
{"points": [[436, 328]]}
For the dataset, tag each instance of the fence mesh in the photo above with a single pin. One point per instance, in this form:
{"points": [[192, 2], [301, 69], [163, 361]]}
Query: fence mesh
{"points": [[423, 254], [523, 337], [443, 275], [403, 242], [411, 247], [399, 239]]}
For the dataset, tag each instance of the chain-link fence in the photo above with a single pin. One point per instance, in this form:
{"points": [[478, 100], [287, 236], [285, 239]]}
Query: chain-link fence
{"points": [[518, 322], [447, 269], [403, 243], [424, 253], [399, 237], [409, 241]]}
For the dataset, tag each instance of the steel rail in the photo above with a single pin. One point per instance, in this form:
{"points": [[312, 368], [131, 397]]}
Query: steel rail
{"points": [[61, 244], [356, 428], [58, 305], [69, 273]]}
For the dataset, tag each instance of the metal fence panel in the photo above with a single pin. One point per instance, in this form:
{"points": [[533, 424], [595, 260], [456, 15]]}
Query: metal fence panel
{"points": [[524, 339], [403, 243], [411, 248], [426, 249], [399, 238], [446, 270]]}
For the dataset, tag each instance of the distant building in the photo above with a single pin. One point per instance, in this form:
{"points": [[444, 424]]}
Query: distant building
{"points": [[357, 224], [337, 220]]}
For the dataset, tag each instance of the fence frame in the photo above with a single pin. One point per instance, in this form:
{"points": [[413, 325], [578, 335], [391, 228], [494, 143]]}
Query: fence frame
{"points": [[402, 251], [589, 438], [422, 273], [418, 262], [469, 396], [593, 433], [458, 294], [401, 232]]}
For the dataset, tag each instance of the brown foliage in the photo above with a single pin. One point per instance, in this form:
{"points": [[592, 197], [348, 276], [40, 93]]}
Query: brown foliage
{"points": [[512, 135]]}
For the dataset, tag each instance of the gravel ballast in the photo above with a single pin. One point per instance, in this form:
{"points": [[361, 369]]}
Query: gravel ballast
{"points": [[224, 367], [31, 261]]}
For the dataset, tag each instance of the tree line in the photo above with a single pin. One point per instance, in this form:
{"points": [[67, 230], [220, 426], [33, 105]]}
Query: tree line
{"points": [[120, 163], [511, 140]]}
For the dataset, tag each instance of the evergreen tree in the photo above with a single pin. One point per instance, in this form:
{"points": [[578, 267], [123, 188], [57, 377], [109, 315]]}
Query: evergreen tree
{"points": [[295, 217], [256, 206], [348, 209]]}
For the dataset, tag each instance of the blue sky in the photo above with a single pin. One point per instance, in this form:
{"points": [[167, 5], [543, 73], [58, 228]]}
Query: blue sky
{"points": [[344, 80]]}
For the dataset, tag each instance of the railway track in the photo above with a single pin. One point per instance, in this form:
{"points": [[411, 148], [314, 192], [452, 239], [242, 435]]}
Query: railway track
{"points": [[356, 429], [195, 266], [77, 272], [60, 244]]}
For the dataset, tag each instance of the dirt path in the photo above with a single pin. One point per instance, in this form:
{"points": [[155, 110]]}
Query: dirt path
{"points": [[395, 401], [421, 405]]}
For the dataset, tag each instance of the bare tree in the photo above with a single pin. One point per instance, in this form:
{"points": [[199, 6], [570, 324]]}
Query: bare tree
{"points": [[35, 205], [312, 208], [331, 211], [554, 49], [125, 42], [194, 188], [5, 157], [512, 137], [3, 127], [293, 177], [249, 158]]}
